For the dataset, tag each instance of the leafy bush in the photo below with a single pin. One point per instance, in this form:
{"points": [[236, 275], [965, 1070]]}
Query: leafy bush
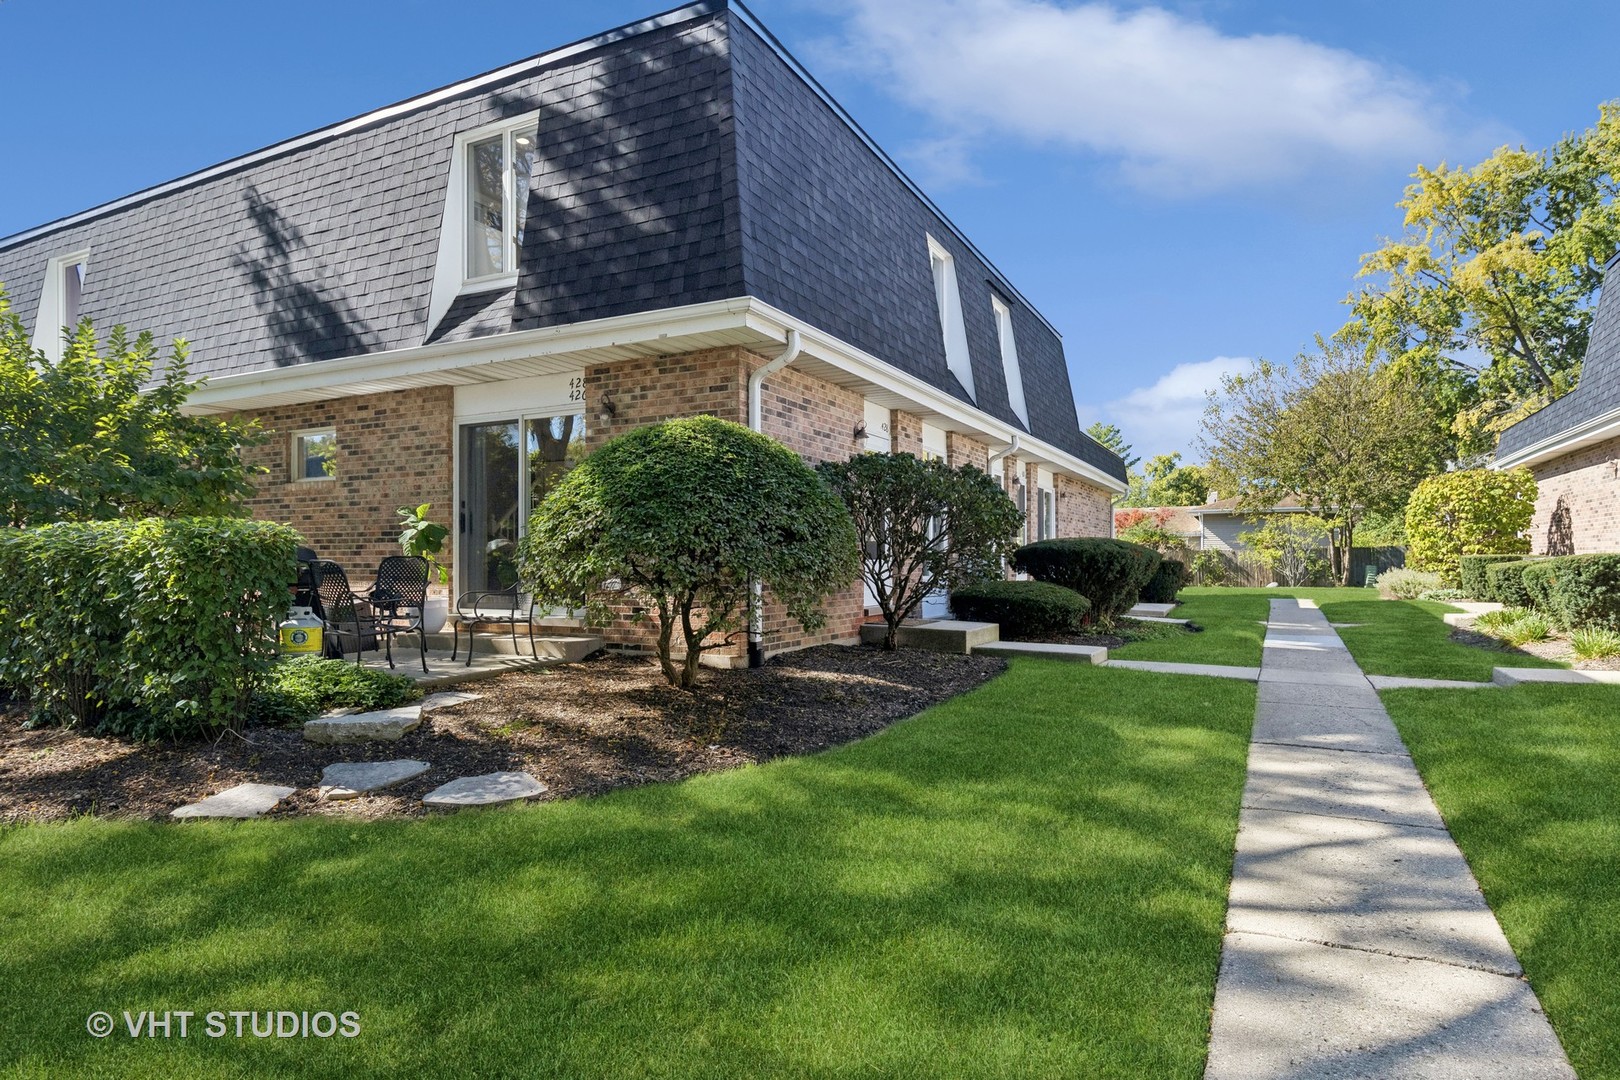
{"points": [[1444, 595], [1290, 546], [1471, 572], [681, 517], [1168, 580], [1595, 643], [1403, 584], [1523, 630], [157, 628], [1025, 609], [1505, 583], [1108, 573], [924, 526], [1209, 568], [97, 435], [1470, 512], [1576, 591], [302, 687]]}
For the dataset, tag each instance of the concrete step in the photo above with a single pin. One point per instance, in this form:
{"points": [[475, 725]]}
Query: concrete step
{"points": [[1080, 654], [935, 635], [569, 647]]}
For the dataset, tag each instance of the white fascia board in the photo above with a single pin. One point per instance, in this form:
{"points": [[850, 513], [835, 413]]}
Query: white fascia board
{"points": [[218, 393], [1598, 429]]}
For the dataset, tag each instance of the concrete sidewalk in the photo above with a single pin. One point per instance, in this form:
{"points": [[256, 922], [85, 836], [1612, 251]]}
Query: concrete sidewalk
{"points": [[1357, 944]]}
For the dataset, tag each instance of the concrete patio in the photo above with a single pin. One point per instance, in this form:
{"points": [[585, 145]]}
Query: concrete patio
{"points": [[493, 656]]}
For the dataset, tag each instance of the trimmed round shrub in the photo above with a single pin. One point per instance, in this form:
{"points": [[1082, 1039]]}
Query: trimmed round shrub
{"points": [[1108, 573], [1468, 512], [1024, 609], [1168, 580], [1471, 571], [1505, 583], [1576, 591], [1399, 583]]}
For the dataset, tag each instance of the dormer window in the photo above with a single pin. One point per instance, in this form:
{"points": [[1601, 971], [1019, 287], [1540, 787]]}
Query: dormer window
{"points": [[497, 189], [59, 302], [949, 298], [1009, 359]]}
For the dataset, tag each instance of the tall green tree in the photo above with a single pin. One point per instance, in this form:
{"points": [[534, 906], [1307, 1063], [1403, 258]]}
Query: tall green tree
{"points": [[99, 434], [1497, 263], [1113, 439], [1346, 437]]}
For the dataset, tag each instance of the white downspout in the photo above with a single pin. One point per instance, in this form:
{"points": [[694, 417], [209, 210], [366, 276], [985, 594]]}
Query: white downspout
{"points": [[756, 607], [1012, 448]]}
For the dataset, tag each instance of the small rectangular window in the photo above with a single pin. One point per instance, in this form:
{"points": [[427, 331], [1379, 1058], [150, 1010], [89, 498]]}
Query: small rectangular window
{"points": [[498, 170], [72, 293], [1009, 359], [315, 455], [949, 298]]}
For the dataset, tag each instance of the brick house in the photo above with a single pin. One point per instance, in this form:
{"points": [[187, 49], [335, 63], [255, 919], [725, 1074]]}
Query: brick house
{"points": [[1572, 447], [450, 299]]}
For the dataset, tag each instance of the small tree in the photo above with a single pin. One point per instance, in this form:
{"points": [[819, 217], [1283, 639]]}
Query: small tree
{"points": [[1146, 527], [1290, 546], [1470, 512], [93, 437], [683, 517], [924, 527]]}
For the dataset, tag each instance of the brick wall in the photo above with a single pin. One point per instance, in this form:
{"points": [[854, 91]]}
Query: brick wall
{"points": [[393, 450], [905, 433], [962, 450], [1588, 482], [1082, 509]]}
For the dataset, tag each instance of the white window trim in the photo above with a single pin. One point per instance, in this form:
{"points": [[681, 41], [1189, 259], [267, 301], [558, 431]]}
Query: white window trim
{"points": [[49, 317], [1009, 358], [450, 278], [295, 459], [948, 295]]}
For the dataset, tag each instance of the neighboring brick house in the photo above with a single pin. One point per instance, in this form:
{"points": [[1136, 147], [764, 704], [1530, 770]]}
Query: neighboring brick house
{"points": [[1572, 447], [450, 299]]}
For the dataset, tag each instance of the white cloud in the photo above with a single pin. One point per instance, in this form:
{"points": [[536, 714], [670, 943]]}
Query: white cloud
{"points": [[1165, 418], [1179, 105]]}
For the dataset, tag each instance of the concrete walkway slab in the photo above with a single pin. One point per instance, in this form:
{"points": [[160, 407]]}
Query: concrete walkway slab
{"points": [[1270, 673], [1080, 654], [1401, 682], [1165, 667], [1358, 944], [1295, 1010], [1144, 609], [1506, 676], [1307, 642], [1309, 780], [1347, 697], [1368, 731], [1365, 885]]}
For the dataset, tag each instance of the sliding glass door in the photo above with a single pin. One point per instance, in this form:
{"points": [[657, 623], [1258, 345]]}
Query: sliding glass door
{"points": [[507, 468]]}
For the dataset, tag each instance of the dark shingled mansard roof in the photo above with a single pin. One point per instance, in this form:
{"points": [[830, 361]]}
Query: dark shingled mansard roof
{"points": [[684, 159], [1598, 391]]}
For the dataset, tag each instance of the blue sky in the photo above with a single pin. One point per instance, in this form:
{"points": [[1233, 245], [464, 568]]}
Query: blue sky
{"points": [[1178, 187]]}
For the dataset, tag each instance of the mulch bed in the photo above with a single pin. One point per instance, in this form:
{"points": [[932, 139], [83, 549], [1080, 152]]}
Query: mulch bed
{"points": [[582, 729], [1557, 648]]}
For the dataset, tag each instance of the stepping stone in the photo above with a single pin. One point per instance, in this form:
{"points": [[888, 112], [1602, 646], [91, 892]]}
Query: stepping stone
{"points": [[351, 779], [241, 801], [496, 787], [445, 699], [385, 725]]}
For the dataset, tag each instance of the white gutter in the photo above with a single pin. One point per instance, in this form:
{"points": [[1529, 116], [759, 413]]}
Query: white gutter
{"points": [[756, 381], [1598, 429]]}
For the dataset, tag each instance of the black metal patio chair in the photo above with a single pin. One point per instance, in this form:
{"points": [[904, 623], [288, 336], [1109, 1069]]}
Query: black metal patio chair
{"points": [[498, 607], [398, 598]]}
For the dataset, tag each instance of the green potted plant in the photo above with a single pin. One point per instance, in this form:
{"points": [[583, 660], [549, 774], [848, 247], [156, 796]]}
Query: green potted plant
{"points": [[422, 536]]}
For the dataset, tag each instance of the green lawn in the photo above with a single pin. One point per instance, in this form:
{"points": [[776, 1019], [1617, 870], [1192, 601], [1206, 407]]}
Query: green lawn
{"points": [[1526, 781], [1233, 622], [1029, 880], [1408, 637]]}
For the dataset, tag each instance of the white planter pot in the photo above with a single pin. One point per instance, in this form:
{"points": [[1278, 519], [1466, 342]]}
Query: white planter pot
{"points": [[436, 614]]}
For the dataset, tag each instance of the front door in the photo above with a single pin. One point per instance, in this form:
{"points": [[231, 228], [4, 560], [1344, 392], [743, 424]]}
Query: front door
{"points": [[507, 468]]}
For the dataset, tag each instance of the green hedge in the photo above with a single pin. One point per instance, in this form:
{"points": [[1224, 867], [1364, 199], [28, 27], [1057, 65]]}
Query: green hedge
{"points": [[1024, 609], [155, 628], [1167, 581], [1504, 583], [1577, 592], [1109, 573], [1471, 571]]}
